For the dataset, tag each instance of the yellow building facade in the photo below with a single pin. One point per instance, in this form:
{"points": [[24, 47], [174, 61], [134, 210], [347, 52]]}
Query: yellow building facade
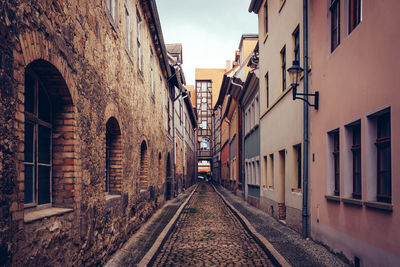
{"points": [[281, 118]]}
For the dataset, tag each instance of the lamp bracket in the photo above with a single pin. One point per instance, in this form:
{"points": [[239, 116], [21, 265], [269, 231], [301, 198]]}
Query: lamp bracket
{"points": [[315, 95]]}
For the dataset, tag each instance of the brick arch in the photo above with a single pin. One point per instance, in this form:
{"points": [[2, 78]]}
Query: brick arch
{"points": [[63, 158], [34, 46], [112, 111]]}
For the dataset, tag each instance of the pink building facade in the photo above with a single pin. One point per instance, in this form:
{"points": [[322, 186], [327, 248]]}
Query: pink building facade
{"points": [[355, 134]]}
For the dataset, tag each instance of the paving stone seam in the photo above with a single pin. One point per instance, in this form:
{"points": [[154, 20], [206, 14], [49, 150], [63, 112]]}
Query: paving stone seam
{"points": [[165, 233], [269, 248]]}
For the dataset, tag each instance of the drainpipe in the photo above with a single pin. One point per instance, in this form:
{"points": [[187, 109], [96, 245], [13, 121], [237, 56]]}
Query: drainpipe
{"points": [[243, 154], [174, 143], [305, 123], [184, 141], [229, 150]]}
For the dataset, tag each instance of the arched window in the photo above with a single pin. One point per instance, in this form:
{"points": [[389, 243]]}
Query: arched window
{"points": [[144, 167], [113, 157], [49, 141], [160, 179]]}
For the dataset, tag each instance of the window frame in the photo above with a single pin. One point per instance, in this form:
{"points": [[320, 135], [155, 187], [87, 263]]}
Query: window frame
{"points": [[383, 142], [357, 163], [266, 17], [33, 118], [334, 10], [283, 68], [267, 89], [336, 161], [354, 14], [128, 28], [139, 41], [296, 44], [152, 71]]}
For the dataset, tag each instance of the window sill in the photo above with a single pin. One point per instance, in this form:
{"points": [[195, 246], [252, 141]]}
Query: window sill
{"points": [[31, 216], [352, 201], [379, 205], [297, 190], [111, 196], [333, 198]]}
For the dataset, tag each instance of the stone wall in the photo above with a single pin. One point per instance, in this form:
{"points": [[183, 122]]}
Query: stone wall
{"points": [[79, 53]]}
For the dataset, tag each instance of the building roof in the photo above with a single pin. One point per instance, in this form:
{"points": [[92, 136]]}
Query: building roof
{"points": [[176, 51], [255, 6], [225, 85], [174, 48], [150, 9], [247, 36], [192, 111]]}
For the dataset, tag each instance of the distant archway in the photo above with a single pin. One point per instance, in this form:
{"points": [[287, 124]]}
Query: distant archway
{"points": [[144, 167], [113, 157]]}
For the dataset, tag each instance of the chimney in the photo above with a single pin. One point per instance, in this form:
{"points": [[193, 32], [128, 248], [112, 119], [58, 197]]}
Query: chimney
{"points": [[228, 65]]}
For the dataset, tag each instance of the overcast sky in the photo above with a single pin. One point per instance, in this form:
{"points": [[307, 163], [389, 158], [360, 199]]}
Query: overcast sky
{"points": [[209, 30]]}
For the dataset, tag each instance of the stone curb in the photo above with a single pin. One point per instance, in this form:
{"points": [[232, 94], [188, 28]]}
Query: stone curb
{"points": [[164, 234], [269, 247]]}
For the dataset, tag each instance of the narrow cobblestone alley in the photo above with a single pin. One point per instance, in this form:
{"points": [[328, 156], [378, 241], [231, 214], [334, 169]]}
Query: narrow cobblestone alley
{"points": [[208, 233]]}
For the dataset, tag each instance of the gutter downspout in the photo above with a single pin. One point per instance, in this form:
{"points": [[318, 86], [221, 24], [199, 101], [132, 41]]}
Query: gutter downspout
{"points": [[242, 159], [174, 143], [305, 229]]}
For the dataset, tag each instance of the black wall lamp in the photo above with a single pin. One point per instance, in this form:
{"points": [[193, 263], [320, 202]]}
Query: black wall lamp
{"points": [[295, 72]]}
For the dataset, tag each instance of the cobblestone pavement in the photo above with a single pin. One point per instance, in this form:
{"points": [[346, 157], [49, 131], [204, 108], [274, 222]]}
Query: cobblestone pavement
{"points": [[208, 234]]}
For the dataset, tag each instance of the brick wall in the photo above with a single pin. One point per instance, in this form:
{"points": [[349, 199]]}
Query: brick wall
{"points": [[80, 56]]}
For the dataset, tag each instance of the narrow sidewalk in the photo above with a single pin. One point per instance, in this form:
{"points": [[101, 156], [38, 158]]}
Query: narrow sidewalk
{"points": [[296, 250], [140, 243]]}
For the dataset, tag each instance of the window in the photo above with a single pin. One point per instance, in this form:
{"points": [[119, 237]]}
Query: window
{"points": [[169, 115], [267, 89], [113, 157], [203, 106], [297, 166], [356, 151], [257, 111], [283, 60], [296, 41], [383, 143], [253, 115], [128, 30], [152, 70], [336, 162], [37, 143], [335, 23], [266, 16], [246, 118], [257, 172], [271, 171], [180, 110], [354, 14], [204, 87], [139, 40], [265, 177], [112, 6]]}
